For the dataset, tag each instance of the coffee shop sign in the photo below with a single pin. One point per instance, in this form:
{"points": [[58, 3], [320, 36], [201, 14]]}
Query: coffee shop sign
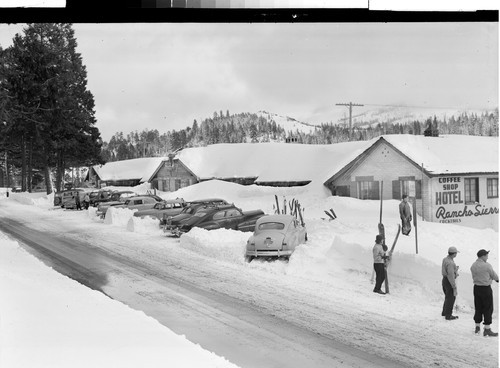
{"points": [[451, 193]]}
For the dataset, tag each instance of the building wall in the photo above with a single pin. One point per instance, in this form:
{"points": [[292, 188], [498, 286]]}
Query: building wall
{"points": [[449, 205], [386, 164], [172, 176]]}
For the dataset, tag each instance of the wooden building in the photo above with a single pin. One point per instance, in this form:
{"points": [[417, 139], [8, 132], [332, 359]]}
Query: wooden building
{"points": [[451, 179]]}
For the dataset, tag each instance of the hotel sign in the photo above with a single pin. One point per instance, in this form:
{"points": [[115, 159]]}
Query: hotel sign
{"points": [[449, 199]]}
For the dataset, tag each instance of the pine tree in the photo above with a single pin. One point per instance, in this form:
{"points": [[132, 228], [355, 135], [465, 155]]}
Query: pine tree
{"points": [[54, 111]]}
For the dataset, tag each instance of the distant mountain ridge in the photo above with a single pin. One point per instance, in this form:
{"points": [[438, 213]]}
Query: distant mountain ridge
{"points": [[265, 126]]}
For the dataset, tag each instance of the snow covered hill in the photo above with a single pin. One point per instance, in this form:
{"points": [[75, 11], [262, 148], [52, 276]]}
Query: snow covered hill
{"points": [[371, 115], [287, 123]]}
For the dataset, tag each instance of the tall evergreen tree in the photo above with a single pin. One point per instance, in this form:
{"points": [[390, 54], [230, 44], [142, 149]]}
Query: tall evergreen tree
{"points": [[55, 111]]}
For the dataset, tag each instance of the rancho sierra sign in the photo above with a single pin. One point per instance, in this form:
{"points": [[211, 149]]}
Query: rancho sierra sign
{"points": [[450, 204]]}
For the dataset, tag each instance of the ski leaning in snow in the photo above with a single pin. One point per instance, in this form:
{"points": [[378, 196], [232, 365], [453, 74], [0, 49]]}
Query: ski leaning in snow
{"points": [[388, 260], [331, 214]]}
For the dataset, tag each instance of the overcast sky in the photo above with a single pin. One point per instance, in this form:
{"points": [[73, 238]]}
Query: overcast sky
{"points": [[163, 76]]}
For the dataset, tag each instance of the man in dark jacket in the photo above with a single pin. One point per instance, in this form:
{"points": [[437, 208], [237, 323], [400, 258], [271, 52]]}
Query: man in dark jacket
{"points": [[405, 214]]}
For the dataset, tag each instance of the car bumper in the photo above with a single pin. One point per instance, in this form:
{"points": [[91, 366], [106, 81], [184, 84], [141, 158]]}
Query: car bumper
{"points": [[268, 253], [176, 232]]}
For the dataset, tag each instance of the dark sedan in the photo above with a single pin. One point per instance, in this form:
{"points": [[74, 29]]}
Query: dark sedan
{"points": [[169, 222], [220, 217]]}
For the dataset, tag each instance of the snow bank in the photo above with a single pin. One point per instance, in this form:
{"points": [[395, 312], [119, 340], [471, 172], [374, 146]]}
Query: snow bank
{"points": [[145, 225], [118, 216], [222, 244], [49, 320]]}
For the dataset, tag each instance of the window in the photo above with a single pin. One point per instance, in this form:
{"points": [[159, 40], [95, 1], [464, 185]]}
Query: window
{"points": [[471, 190], [177, 184], [365, 189], [271, 226], [492, 187], [405, 187], [233, 213], [219, 215]]}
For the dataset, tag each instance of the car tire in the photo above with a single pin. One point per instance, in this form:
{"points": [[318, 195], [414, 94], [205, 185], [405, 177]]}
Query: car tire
{"points": [[249, 259]]}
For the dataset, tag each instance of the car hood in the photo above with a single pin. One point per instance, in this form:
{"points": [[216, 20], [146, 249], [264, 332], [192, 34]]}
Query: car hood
{"points": [[180, 218], [190, 221]]}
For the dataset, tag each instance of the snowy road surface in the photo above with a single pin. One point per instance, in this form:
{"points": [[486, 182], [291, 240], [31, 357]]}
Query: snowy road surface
{"points": [[190, 302], [262, 314]]}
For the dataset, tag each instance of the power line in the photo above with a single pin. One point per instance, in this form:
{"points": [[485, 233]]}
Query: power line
{"points": [[350, 105]]}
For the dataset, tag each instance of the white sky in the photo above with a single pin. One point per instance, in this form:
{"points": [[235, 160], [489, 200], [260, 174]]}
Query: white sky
{"points": [[163, 76]]}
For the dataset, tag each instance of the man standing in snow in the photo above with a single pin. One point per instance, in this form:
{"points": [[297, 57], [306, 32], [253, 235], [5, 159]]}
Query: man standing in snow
{"points": [[77, 201], [378, 263], [482, 276], [405, 214], [450, 272]]}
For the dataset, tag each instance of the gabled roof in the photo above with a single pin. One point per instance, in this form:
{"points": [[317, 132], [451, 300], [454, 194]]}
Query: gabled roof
{"points": [[168, 161], [444, 155], [135, 169]]}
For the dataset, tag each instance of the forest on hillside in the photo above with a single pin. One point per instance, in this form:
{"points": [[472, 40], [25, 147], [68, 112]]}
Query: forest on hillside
{"points": [[250, 127]]}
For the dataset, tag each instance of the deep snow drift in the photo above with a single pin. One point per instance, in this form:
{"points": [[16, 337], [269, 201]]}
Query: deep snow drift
{"points": [[44, 311]]}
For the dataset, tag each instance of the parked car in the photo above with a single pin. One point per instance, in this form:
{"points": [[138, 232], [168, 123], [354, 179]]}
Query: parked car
{"points": [[141, 202], [275, 236], [115, 199], [170, 207], [217, 217], [66, 198], [93, 195], [169, 222], [70, 203], [103, 195]]}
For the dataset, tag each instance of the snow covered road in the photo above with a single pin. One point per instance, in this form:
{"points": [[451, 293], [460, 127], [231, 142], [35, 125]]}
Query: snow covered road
{"points": [[208, 307], [317, 310]]}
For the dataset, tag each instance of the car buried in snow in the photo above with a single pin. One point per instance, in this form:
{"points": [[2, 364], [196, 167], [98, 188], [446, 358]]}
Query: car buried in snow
{"points": [[169, 222], [169, 207], [219, 217], [275, 236], [141, 202]]}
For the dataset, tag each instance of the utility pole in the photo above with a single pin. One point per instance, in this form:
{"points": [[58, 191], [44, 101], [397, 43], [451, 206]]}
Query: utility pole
{"points": [[350, 105]]}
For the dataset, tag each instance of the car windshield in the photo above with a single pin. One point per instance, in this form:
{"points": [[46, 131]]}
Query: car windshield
{"points": [[271, 226], [200, 213], [187, 210]]}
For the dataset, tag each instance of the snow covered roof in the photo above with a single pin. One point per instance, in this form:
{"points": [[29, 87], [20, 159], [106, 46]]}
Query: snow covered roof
{"points": [[269, 162], [449, 154], [285, 162], [134, 169]]}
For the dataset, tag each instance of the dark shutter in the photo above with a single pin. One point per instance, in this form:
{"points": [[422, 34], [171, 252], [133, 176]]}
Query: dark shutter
{"points": [[418, 189], [396, 190], [354, 189], [375, 194]]}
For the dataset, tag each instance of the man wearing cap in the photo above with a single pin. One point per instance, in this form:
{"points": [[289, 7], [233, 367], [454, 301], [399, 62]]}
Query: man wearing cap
{"points": [[482, 276], [450, 272], [378, 263]]}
